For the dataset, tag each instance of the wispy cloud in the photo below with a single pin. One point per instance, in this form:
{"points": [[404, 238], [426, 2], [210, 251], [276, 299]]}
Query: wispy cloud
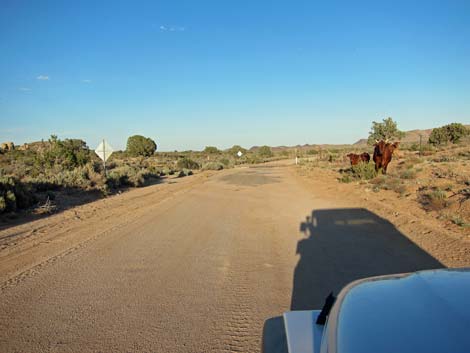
{"points": [[172, 28], [24, 89], [86, 81], [43, 78]]}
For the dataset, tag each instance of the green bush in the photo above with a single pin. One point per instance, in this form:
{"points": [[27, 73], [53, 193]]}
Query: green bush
{"points": [[128, 176], [69, 154], [448, 133], [265, 152], [15, 194], [234, 150], [187, 163], [364, 171], [3, 204], [213, 166], [225, 162], [346, 178], [139, 145], [211, 150], [312, 152]]}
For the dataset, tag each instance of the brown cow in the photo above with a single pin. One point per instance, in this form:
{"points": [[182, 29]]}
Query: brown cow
{"points": [[383, 152], [357, 158]]}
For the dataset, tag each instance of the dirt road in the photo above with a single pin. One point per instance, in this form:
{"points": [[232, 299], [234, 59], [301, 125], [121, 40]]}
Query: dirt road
{"points": [[196, 266]]}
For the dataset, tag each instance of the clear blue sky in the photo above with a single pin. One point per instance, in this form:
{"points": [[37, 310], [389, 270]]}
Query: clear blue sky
{"points": [[197, 73]]}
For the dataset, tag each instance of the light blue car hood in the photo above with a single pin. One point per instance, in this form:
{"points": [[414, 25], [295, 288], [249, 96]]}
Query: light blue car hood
{"points": [[426, 311]]}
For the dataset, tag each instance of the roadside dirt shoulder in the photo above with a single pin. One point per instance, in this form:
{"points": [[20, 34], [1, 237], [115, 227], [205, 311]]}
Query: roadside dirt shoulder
{"points": [[25, 248], [451, 248]]}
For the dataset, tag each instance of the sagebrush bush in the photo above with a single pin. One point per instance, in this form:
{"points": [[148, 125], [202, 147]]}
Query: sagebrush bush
{"points": [[213, 166], [15, 194], [126, 175], [408, 174], [187, 163], [364, 171]]}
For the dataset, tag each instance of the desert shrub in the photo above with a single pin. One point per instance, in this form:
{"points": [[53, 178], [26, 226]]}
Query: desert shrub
{"points": [[213, 166], [69, 153], [410, 162], [346, 178], [458, 220], [15, 194], [127, 176], [265, 152], [438, 136], [187, 163], [3, 204], [167, 171], [408, 174], [448, 133], [138, 145], [234, 150], [253, 159], [364, 171], [211, 150], [312, 152], [434, 199], [225, 162], [384, 182]]}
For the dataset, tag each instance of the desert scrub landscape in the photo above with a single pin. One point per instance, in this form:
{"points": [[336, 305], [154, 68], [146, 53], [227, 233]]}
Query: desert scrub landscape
{"points": [[433, 178], [44, 177]]}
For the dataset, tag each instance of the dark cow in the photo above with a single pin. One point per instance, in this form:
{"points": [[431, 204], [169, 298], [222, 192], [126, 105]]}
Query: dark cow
{"points": [[357, 158], [383, 152]]}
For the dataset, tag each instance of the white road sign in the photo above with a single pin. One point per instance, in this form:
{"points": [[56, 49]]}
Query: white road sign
{"points": [[239, 154], [104, 150]]}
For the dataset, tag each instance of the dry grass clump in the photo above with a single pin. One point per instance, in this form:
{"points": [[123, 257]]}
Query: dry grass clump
{"points": [[387, 182], [408, 174], [433, 199]]}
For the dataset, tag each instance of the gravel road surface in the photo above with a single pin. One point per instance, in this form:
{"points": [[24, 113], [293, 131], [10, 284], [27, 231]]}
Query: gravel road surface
{"points": [[199, 272]]}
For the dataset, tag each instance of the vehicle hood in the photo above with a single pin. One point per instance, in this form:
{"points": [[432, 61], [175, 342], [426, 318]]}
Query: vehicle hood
{"points": [[426, 311]]}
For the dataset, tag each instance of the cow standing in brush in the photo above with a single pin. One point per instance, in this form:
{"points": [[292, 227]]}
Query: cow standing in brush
{"points": [[358, 158], [383, 152]]}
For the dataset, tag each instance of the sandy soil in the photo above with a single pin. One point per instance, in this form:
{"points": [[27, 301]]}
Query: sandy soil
{"points": [[198, 265], [444, 241]]}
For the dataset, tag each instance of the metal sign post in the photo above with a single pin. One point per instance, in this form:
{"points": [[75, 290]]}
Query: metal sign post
{"points": [[104, 150]]}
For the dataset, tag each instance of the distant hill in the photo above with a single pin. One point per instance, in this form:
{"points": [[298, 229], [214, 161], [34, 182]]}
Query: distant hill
{"points": [[410, 137]]}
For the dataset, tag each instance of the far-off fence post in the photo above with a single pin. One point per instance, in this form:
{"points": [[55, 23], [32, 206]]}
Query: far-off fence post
{"points": [[420, 145]]}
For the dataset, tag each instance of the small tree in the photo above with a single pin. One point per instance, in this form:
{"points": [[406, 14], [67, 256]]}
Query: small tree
{"points": [[138, 145], [439, 136], [456, 131], [68, 153], [234, 150], [265, 152], [385, 130], [448, 133], [211, 150]]}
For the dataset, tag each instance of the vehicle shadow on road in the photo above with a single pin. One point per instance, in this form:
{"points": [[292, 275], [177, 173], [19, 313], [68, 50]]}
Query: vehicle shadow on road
{"points": [[343, 245]]}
